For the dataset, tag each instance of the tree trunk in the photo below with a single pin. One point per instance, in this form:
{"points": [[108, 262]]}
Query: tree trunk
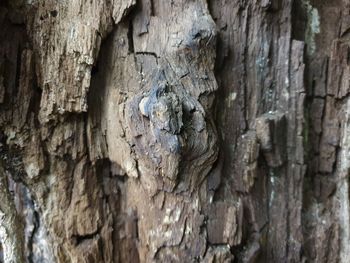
{"points": [[11, 227], [178, 131]]}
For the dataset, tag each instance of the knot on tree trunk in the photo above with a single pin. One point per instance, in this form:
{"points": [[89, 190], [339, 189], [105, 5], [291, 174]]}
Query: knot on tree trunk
{"points": [[169, 129]]}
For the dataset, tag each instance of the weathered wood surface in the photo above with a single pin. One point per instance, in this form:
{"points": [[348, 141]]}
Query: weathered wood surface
{"points": [[178, 131]]}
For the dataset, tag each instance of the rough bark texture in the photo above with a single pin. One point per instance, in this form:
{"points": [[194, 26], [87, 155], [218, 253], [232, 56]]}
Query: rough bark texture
{"points": [[178, 131], [11, 227]]}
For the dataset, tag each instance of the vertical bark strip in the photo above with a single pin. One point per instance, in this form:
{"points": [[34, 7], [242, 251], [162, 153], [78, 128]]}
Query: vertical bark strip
{"points": [[11, 227]]}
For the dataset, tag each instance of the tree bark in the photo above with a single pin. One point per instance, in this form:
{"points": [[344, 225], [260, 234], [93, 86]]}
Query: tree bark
{"points": [[11, 228], [178, 131]]}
